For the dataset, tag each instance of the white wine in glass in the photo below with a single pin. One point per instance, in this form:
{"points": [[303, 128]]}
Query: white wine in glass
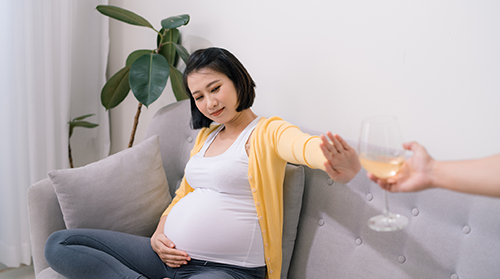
{"points": [[381, 153]]}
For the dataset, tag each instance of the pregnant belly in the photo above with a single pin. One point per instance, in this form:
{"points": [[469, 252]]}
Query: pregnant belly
{"points": [[216, 227]]}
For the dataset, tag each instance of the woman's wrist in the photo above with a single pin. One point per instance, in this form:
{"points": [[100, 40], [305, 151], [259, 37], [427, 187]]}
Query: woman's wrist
{"points": [[161, 226]]}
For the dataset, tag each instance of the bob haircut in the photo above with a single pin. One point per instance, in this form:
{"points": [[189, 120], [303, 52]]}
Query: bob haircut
{"points": [[224, 62]]}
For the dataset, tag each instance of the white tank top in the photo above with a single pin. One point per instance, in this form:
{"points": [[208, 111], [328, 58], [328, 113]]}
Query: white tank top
{"points": [[218, 221]]}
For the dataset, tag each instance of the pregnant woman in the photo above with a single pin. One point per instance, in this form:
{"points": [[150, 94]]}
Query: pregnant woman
{"points": [[226, 218]]}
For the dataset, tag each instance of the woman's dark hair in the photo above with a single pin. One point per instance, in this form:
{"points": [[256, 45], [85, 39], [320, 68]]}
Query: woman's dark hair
{"points": [[224, 62]]}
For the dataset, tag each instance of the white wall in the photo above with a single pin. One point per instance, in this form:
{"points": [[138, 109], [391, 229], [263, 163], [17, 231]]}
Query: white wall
{"points": [[328, 64]]}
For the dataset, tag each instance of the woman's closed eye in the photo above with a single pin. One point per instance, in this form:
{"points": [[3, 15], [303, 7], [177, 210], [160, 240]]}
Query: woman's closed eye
{"points": [[215, 89], [199, 96]]}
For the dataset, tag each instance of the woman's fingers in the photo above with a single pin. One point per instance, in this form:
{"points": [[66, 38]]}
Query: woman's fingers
{"points": [[333, 144], [336, 151], [343, 143], [331, 158], [337, 146], [171, 256], [328, 145], [342, 162], [173, 260], [174, 263], [326, 148]]}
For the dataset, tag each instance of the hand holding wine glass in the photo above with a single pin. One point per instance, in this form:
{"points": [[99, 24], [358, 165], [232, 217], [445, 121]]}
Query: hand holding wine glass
{"points": [[415, 174], [381, 153], [421, 171]]}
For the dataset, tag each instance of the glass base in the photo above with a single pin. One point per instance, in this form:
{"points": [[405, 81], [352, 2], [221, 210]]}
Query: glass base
{"points": [[390, 223]]}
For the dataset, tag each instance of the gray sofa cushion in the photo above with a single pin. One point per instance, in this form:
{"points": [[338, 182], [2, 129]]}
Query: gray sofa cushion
{"points": [[125, 192], [293, 190]]}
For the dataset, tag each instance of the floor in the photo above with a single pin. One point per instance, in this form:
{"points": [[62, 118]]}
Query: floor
{"points": [[24, 272]]}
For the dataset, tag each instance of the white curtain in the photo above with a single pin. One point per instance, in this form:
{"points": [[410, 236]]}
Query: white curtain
{"points": [[53, 64]]}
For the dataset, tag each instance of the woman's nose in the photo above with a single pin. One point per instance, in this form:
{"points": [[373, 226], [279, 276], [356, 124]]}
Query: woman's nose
{"points": [[212, 102]]}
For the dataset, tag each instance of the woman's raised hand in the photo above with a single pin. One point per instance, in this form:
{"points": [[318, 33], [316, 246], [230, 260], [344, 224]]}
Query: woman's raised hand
{"points": [[342, 161], [165, 249]]}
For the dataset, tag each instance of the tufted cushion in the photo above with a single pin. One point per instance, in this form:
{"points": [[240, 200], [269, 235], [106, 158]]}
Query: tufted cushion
{"points": [[293, 190], [125, 192]]}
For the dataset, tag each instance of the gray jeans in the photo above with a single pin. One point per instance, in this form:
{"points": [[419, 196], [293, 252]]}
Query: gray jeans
{"points": [[89, 253]]}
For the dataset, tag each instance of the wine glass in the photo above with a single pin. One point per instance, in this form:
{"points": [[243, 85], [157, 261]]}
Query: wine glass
{"points": [[381, 154]]}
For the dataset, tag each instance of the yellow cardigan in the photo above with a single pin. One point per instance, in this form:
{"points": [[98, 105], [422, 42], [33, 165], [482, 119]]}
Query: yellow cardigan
{"points": [[273, 143]]}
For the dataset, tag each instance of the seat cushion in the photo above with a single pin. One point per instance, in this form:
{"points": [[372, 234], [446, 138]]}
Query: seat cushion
{"points": [[49, 273], [125, 192]]}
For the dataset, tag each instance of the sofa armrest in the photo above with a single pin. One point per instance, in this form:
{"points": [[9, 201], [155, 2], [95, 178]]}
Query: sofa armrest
{"points": [[45, 217]]}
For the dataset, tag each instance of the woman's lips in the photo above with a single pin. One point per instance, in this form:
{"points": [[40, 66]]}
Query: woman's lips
{"points": [[217, 112]]}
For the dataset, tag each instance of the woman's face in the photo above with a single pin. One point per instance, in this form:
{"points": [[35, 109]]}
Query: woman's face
{"points": [[214, 94]]}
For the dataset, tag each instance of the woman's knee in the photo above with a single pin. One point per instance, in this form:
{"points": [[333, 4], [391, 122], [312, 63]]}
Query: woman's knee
{"points": [[53, 244]]}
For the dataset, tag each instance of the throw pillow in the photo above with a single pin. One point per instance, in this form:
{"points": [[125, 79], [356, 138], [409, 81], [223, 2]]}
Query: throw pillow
{"points": [[125, 192]]}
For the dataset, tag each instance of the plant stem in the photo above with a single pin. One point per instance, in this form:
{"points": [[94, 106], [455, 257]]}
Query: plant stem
{"points": [[160, 44], [136, 122], [69, 155]]}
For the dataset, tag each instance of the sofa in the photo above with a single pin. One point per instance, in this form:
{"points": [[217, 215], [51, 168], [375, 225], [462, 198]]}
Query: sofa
{"points": [[325, 232]]}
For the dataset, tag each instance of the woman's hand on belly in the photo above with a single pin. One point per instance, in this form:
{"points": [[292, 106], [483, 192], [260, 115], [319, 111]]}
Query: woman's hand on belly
{"points": [[165, 249]]}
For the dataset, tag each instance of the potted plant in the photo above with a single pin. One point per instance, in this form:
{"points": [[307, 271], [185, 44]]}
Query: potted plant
{"points": [[146, 71]]}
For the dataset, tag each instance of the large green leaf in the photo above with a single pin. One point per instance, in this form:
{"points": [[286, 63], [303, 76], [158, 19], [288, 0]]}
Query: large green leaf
{"points": [[169, 50], [148, 77], [175, 21], [177, 86], [116, 89], [135, 55], [123, 15], [183, 53]]}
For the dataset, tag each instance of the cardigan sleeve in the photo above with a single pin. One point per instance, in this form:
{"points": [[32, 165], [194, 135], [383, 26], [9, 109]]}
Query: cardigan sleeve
{"points": [[295, 146]]}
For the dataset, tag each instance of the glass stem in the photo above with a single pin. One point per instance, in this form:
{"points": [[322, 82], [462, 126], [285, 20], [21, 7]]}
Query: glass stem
{"points": [[386, 207]]}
